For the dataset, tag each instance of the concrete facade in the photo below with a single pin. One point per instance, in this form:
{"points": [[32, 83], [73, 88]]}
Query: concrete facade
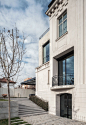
{"points": [[17, 92], [23, 92], [74, 39], [5, 91], [4, 109]]}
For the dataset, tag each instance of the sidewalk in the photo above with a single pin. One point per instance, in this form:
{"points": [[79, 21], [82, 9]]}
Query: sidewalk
{"points": [[47, 119]]}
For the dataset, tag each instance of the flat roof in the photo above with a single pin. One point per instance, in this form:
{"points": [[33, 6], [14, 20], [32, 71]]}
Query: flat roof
{"points": [[29, 82]]}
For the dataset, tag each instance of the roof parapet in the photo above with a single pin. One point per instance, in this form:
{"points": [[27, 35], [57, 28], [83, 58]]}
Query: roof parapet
{"points": [[52, 6], [44, 33]]}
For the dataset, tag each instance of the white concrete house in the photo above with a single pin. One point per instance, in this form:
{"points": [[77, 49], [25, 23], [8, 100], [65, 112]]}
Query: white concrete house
{"points": [[61, 75]]}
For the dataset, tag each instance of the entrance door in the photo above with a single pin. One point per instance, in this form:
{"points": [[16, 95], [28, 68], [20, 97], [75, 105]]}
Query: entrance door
{"points": [[66, 105]]}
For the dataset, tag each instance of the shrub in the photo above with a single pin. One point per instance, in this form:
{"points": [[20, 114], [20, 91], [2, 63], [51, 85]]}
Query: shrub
{"points": [[4, 95], [39, 102]]}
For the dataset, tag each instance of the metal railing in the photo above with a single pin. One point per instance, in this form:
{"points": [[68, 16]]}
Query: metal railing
{"points": [[44, 33], [67, 79]]}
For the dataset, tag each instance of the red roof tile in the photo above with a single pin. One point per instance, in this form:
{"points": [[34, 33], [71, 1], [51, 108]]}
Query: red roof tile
{"points": [[3, 80]]}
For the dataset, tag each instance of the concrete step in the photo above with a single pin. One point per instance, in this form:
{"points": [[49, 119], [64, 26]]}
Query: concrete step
{"points": [[30, 105], [30, 110], [32, 114]]}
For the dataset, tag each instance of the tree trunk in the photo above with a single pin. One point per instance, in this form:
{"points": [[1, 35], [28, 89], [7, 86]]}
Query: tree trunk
{"points": [[9, 123]]}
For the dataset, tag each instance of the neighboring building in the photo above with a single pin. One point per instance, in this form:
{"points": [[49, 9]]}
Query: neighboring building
{"points": [[29, 83], [3, 83], [60, 77], [26, 86]]}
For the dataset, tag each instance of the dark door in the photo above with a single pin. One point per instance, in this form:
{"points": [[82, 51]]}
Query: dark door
{"points": [[66, 105]]}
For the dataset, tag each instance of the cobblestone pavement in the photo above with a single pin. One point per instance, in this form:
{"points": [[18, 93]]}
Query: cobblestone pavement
{"points": [[47, 119]]}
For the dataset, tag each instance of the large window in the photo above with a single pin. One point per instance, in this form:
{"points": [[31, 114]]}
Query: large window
{"points": [[62, 24], [46, 52], [66, 71]]}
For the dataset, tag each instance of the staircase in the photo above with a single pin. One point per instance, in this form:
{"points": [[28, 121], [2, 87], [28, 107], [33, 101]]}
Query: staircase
{"points": [[28, 108]]}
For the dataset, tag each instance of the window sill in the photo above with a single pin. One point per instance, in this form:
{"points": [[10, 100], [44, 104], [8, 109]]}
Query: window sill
{"points": [[45, 63], [62, 87], [61, 36], [43, 66]]}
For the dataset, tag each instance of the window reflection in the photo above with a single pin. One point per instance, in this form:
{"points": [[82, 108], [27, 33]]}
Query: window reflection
{"points": [[46, 53], [62, 24], [66, 71]]}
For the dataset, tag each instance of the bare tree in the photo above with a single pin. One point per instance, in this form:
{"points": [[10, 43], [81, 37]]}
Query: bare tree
{"points": [[12, 50]]}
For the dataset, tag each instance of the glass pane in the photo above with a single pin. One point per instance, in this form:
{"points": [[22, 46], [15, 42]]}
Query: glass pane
{"points": [[44, 54], [63, 108], [60, 20], [47, 52], [66, 105], [64, 16], [70, 70], [69, 106], [65, 26], [61, 72], [64, 72], [60, 30]]}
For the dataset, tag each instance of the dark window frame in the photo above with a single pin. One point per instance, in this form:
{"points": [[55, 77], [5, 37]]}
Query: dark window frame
{"points": [[48, 42], [61, 16], [68, 94], [64, 57]]}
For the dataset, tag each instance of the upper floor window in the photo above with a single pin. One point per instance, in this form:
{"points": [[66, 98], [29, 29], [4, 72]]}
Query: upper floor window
{"points": [[46, 52], [66, 70], [62, 21]]}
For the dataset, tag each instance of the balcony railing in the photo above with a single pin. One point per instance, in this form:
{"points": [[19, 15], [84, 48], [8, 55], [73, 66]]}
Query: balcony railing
{"points": [[67, 79]]}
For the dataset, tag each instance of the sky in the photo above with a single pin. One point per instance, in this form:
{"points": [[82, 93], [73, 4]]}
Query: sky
{"points": [[29, 17]]}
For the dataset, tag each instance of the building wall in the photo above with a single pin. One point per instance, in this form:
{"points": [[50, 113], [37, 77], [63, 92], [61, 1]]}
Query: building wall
{"points": [[74, 39], [17, 92], [76, 27], [41, 43], [5, 91], [4, 109], [23, 92], [43, 72], [42, 82]]}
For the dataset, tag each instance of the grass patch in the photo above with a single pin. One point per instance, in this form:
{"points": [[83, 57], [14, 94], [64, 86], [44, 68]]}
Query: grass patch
{"points": [[15, 118], [3, 100], [5, 121], [18, 97], [18, 123]]}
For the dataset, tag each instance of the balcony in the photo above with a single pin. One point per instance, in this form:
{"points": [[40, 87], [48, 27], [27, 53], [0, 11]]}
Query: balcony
{"points": [[63, 81]]}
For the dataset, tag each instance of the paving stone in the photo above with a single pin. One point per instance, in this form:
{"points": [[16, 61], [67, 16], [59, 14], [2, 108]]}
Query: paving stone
{"points": [[42, 119], [48, 119]]}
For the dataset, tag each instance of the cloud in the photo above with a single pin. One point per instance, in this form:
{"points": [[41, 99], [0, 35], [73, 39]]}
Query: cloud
{"points": [[30, 18]]}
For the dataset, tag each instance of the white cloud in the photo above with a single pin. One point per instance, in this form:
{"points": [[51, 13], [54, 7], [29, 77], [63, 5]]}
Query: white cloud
{"points": [[29, 18]]}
